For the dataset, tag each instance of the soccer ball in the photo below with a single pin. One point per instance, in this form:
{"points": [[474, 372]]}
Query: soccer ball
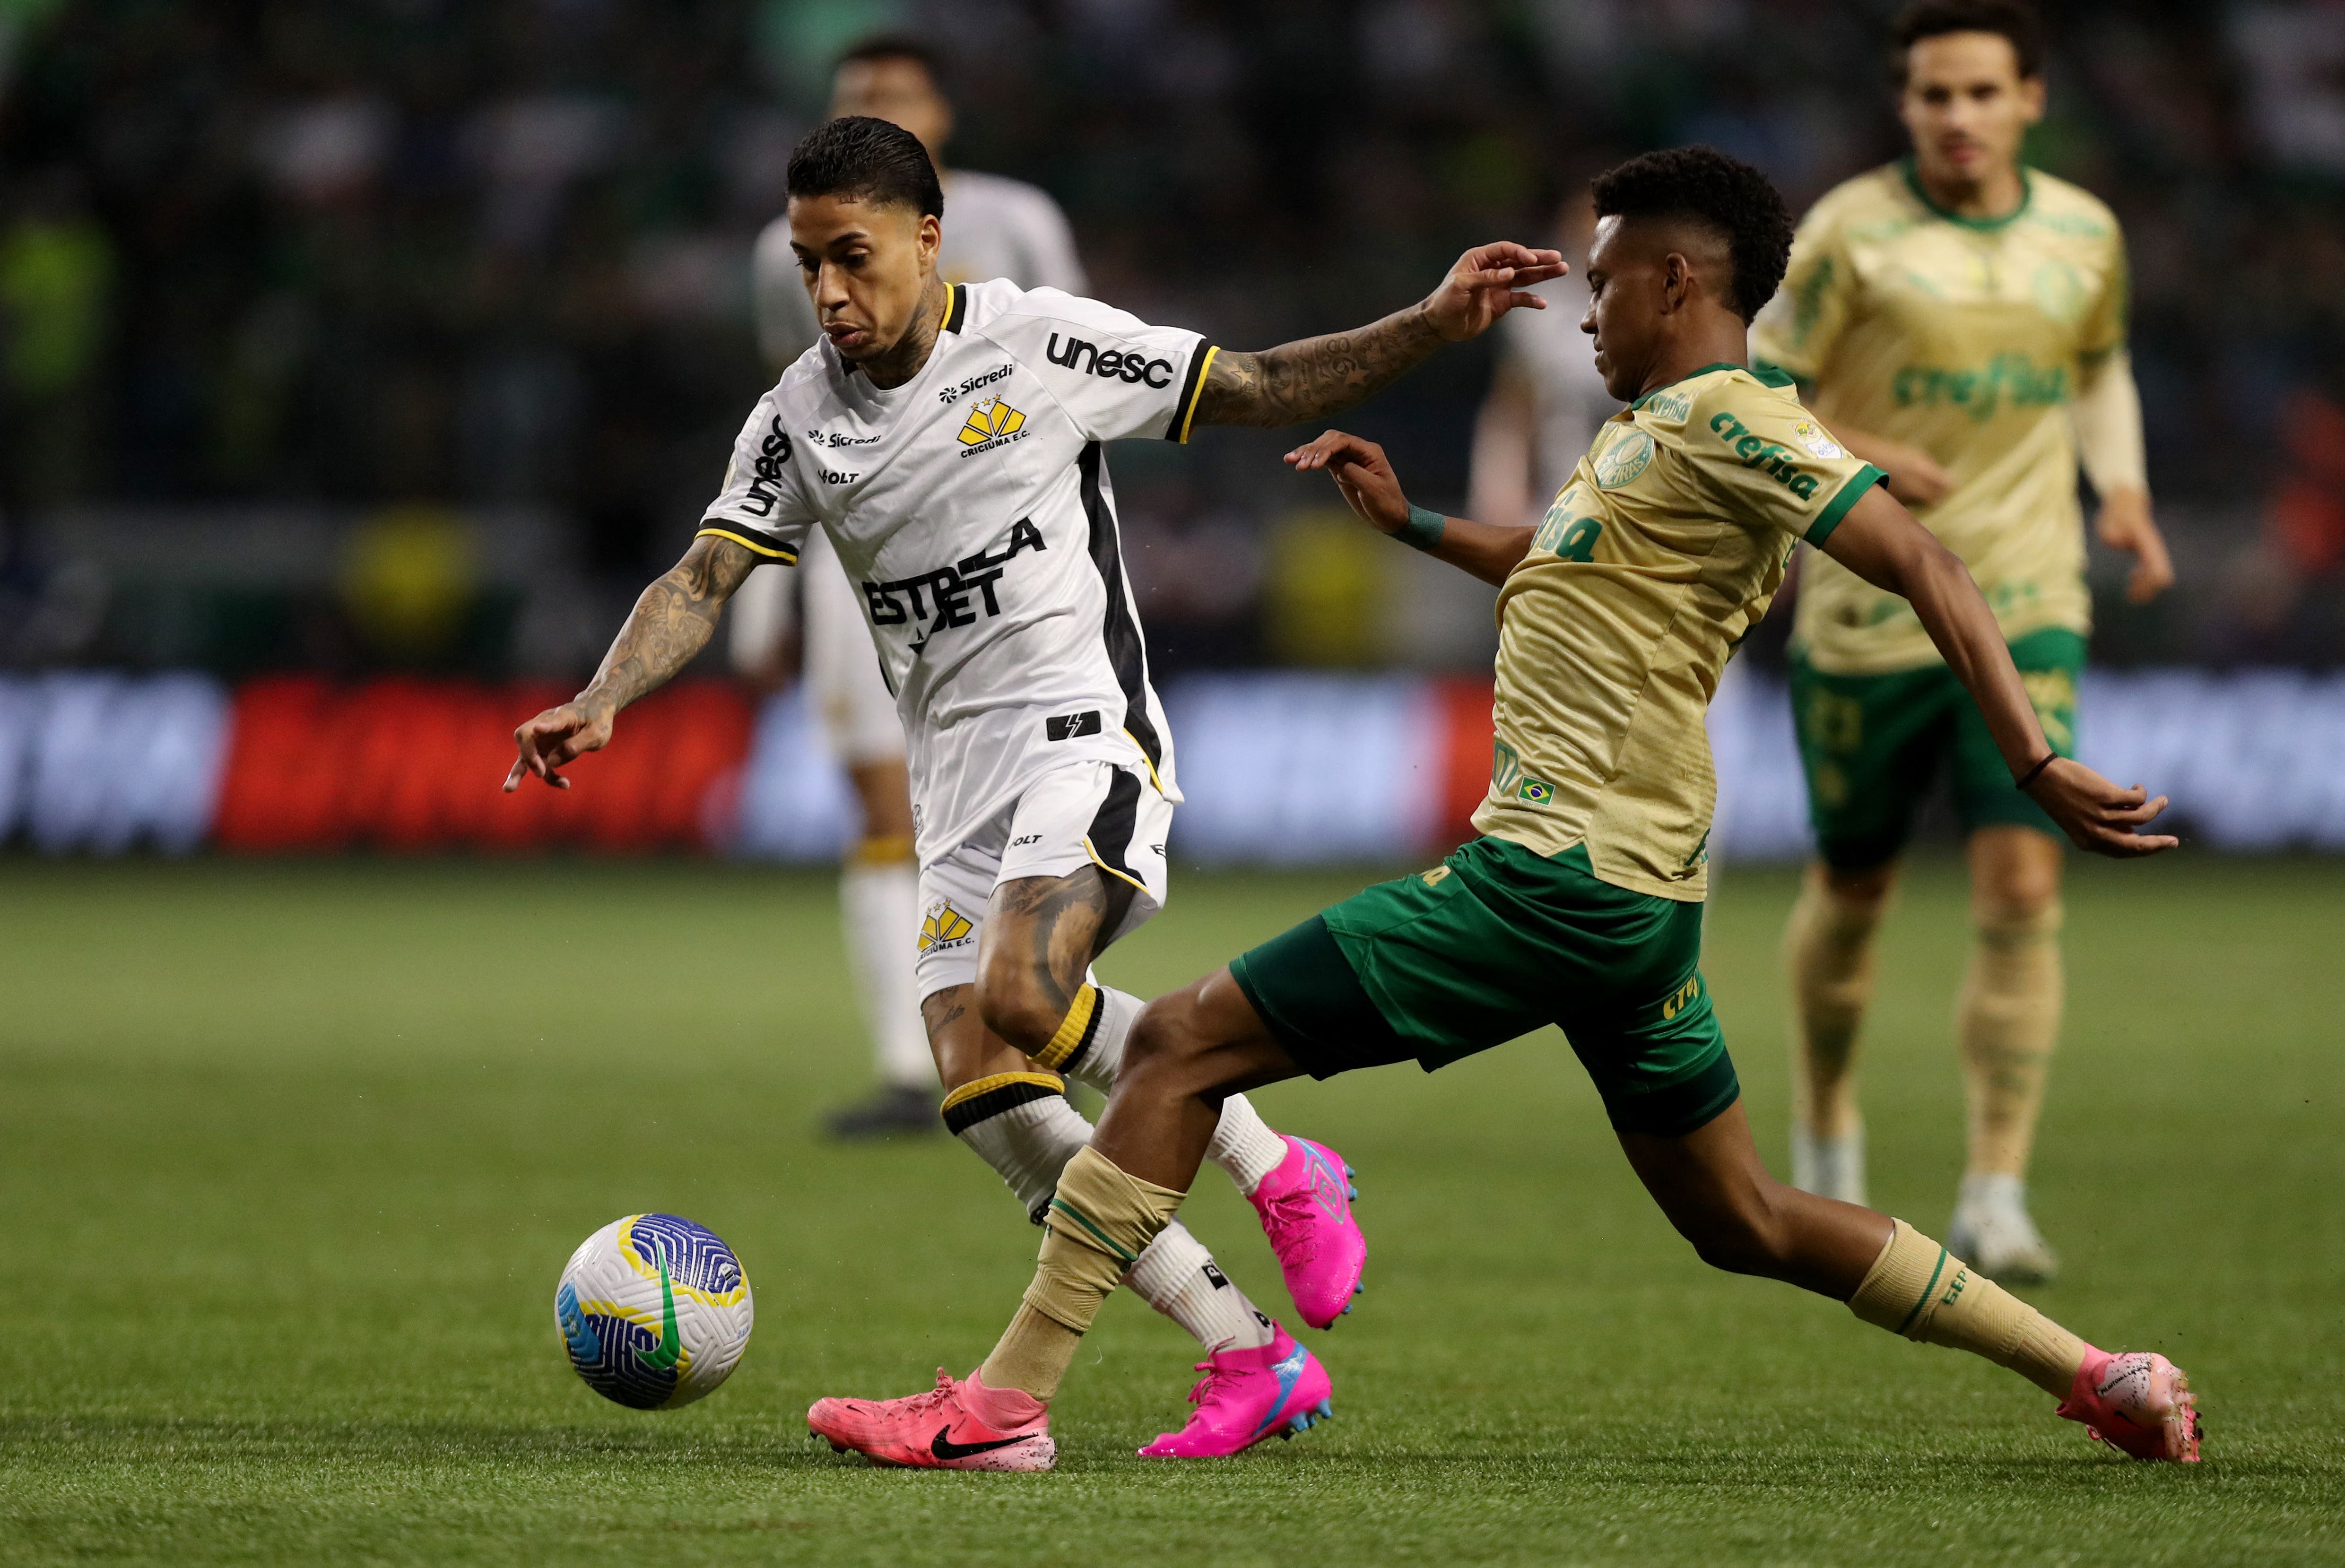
{"points": [[653, 1311]]}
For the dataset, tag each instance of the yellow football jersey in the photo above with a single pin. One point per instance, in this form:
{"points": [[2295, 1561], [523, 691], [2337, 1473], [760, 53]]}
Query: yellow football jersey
{"points": [[1661, 552], [1965, 337]]}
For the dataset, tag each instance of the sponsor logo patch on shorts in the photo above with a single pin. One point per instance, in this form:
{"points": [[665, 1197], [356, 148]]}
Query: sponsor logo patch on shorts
{"points": [[1067, 726]]}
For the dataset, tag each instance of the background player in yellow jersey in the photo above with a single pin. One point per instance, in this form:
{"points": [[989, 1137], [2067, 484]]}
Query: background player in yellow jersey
{"points": [[1959, 320], [1580, 905]]}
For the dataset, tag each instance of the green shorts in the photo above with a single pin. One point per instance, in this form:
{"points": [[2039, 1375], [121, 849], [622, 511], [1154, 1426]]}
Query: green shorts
{"points": [[1491, 944], [1871, 747]]}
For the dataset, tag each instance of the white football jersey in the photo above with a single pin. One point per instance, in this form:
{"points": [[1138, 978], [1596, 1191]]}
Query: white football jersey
{"points": [[972, 509], [1558, 361], [993, 227]]}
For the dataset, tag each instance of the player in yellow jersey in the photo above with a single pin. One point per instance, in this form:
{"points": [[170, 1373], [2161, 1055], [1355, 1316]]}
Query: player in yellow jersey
{"points": [[1581, 903], [1959, 319]]}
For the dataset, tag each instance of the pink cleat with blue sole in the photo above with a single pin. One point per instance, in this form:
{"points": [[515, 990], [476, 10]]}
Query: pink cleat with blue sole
{"points": [[2138, 1404], [1306, 1205], [1245, 1396]]}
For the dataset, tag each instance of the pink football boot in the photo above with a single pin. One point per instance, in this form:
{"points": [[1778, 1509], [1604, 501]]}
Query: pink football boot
{"points": [[1306, 1206], [1245, 1396], [2137, 1403], [942, 1428]]}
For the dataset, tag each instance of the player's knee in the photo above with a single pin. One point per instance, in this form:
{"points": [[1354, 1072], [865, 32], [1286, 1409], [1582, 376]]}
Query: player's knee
{"points": [[1166, 1050], [1860, 894], [1017, 1011], [1745, 1237]]}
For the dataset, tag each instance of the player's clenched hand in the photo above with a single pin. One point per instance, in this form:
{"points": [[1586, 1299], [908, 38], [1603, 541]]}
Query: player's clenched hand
{"points": [[2098, 815], [1488, 281], [557, 736], [1361, 472]]}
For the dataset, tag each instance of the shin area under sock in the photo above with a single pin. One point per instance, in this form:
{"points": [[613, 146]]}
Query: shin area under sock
{"points": [[1917, 1289], [1101, 1221], [2008, 1017], [1828, 947], [1022, 1127]]}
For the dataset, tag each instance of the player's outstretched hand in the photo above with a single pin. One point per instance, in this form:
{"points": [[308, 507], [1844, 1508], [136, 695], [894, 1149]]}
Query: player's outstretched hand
{"points": [[2098, 815], [1361, 472], [1488, 281], [555, 737]]}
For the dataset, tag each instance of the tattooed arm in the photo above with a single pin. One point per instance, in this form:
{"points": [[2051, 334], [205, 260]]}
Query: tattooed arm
{"points": [[671, 622], [1316, 376]]}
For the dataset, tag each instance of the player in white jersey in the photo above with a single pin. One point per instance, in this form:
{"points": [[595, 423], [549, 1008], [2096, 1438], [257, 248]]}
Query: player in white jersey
{"points": [[948, 440], [1545, 400], [1001, 229]]}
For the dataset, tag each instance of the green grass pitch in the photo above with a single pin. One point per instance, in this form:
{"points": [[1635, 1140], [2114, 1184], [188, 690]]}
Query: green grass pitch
{"points": [[294, 1152]]}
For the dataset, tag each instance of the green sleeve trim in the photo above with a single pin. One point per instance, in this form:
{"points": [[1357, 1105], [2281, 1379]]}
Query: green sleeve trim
{"points": [[1775, 375], [1860, 485]]}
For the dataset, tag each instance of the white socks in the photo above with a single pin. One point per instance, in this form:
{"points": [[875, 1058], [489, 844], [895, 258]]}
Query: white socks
{"points": [[1029, 1142], [1243, 1144], [880, 908], [1177, 1277]]}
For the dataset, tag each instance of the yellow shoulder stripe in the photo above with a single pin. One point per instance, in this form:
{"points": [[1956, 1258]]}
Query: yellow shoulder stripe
{"points": [[1188, 415], [771, 552]]}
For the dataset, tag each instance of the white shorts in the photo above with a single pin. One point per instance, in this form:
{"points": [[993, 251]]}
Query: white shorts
{"points": [[841, 667], [1084, 813]]}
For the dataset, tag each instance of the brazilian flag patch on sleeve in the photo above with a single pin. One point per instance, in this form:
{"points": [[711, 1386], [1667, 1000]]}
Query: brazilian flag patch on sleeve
{"points": [[1538, 791]]}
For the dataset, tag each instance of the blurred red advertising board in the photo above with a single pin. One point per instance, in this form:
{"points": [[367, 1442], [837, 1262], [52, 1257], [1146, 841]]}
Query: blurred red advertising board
{"points": [[413, 765]]}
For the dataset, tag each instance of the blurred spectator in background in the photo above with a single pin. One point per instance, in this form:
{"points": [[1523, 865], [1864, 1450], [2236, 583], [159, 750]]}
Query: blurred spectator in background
{"points": [[1546, 398], [496, 257], [57, 283]]}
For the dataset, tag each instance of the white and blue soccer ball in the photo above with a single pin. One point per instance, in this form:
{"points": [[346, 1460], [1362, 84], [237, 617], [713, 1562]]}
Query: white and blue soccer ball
{"points": [[655, 1312]]}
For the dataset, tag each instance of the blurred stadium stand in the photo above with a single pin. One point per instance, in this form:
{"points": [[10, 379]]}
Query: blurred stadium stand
{"points": [[405, 338]]}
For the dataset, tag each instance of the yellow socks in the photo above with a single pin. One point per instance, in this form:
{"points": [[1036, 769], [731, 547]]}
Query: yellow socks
{"points": [[1099, 1222], [2008, 1017], [1917, 1289], [1828, 947]]}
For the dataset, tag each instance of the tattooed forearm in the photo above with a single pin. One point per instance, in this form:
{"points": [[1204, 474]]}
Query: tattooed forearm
{"points": [[1315, 377], [940, 1010], [670, 624]]}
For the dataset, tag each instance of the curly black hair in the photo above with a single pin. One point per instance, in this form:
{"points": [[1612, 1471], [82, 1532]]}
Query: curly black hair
{"points": [[867, 159], [1702, 185], [2013, 19]]}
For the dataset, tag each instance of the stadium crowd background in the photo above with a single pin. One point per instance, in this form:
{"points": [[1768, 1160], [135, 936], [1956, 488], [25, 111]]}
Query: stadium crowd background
{"points": [[409, 336]]}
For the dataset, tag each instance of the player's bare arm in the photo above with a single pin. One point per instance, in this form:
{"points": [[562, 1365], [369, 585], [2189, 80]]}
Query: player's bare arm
{"points": [[1879, 541], [1915, 477], [669, 624], [1370, 488], [1312, 377]]}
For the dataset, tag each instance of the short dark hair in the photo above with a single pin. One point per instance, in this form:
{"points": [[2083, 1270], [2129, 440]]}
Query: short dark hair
{"points": [[865, 159], [1702, 185], [2013, 19], [896, 46]]}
